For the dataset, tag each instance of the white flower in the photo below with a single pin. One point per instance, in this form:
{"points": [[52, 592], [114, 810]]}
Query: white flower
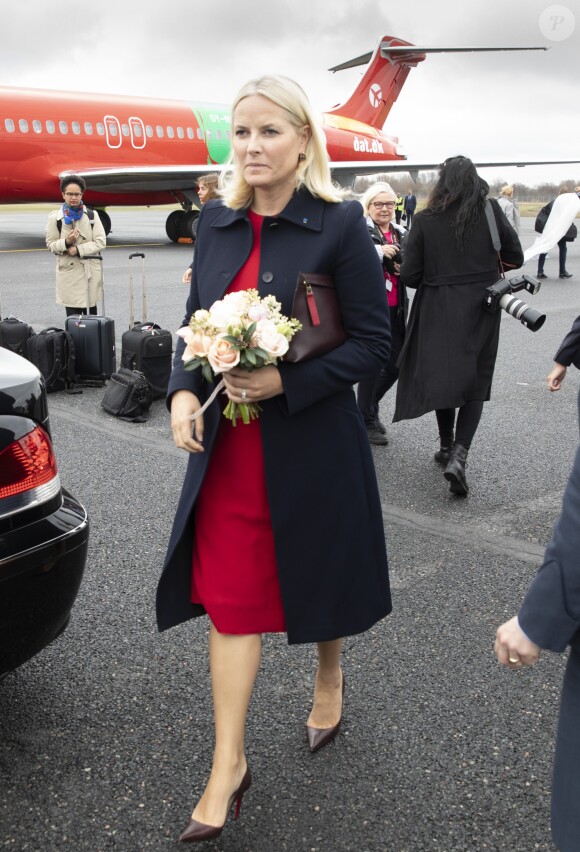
{"points": [[270, 340]]}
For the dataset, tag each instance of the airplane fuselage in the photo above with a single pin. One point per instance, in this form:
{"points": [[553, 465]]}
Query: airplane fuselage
{"points": [[43, 133]]}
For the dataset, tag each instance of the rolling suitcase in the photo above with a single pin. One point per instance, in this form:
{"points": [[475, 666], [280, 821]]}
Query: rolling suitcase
{"points": [[94, 339], [146, 346]]}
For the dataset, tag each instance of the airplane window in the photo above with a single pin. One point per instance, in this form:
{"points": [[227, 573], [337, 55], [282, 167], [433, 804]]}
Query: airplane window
{"points": [[149, 130], [100, 128], [125, 129], [190, 133], [160, 132], [23, 125], [9, 125], [113, 129], [218, 134], [137, 132], [76, 128], [228, 134], [37, 126], [180, 132], [170, 132], [88, 128], [50, 128], [208, 134], [200, 133], [63, 127]]}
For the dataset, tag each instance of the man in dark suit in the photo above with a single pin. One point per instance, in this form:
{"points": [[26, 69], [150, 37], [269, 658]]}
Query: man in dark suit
{"points": [[550, 618], [410, 205]]}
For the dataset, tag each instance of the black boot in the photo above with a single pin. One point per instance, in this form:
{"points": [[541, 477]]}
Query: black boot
{"points": [[455, 471], [443, 454]]}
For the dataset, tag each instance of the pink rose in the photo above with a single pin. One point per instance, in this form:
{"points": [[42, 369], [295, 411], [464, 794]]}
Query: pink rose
{"points": [[222, 356], [196, 344]]}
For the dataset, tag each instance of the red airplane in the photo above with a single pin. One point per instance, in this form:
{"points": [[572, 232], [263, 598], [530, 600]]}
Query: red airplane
{"points": [[137, 151]]}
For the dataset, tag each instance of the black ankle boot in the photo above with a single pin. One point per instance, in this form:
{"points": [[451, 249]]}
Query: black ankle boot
{"points": [[443, 454], [455, 470]]}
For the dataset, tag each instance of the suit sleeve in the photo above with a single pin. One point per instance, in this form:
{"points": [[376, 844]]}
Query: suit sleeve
{"points": [[550, 612], [569, 350], [360, 287], [182, 379]]}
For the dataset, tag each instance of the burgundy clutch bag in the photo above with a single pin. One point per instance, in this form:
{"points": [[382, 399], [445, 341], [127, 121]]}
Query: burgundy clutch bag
{"points": [[316, 306]]}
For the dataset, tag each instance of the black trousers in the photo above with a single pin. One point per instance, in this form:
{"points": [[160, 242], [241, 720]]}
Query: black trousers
{"points": [[467, 422], [563, 252], [371, 390]]}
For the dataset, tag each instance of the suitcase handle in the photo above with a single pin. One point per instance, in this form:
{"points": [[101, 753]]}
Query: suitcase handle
{"points": [[143, 289], [98, 257]]}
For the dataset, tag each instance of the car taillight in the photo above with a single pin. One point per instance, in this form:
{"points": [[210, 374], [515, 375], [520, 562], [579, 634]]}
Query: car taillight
{"points": [[27, 463]]}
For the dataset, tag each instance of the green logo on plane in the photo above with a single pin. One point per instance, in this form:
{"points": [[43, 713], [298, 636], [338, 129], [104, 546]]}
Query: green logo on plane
{"points": [[214, 121]]}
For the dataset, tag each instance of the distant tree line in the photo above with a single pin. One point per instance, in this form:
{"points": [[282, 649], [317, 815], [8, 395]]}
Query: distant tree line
{"points": [[425, 182]]}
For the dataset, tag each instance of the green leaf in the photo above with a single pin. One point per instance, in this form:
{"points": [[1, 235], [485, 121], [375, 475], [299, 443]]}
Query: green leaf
{"points": [[207, 373], [250, 356], [233, 340], [261, 353], [249, 332]]}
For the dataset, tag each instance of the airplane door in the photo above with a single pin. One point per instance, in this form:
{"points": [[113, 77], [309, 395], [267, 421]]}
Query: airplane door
{"points": [[137, 128], [113, 131]]}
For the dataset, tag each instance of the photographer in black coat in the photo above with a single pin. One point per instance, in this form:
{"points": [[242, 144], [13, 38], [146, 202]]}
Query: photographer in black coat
{"points": [[379, 203], [448, 359]]}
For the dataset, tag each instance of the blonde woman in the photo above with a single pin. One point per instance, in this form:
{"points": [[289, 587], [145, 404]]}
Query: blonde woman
{"points": [[279, 525], [379, 205], [510, 207]]}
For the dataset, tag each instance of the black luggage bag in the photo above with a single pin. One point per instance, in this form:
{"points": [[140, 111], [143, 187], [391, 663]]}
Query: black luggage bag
{"points": [[146, 346], [94, 338], [14, 334], [52, 351]]}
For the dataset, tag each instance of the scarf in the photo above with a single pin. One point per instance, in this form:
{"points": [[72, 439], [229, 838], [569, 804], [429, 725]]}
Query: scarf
{"points": [[72, 214]]}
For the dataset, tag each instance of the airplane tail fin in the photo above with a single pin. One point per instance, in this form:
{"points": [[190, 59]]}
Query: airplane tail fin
{"points": [[388, 69], [381, 83]]}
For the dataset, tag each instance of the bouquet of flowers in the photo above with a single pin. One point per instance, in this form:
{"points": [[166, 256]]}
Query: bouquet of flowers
{"points": [[241, 330]]}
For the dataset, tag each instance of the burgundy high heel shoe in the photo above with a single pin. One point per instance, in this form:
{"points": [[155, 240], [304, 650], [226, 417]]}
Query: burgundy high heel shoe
{"points": [[196, 832], [319, 737]]}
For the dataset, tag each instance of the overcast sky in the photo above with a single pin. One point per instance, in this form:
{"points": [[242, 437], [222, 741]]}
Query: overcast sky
{"points": [[488, 106]]}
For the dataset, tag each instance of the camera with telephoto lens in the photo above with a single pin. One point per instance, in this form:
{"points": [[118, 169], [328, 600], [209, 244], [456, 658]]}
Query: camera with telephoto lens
{"points": [[499, 295]]}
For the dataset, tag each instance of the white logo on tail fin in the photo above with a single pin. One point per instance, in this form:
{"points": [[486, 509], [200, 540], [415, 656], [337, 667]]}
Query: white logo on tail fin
{"points": [[375, 95]]}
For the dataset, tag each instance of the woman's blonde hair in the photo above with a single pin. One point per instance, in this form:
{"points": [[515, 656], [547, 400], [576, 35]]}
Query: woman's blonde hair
{"points": [[507, 190], [313, 172], [371, 193]]}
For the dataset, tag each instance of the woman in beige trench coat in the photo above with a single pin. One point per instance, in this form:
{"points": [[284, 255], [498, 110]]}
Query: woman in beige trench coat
{"points": [[71, 235]]}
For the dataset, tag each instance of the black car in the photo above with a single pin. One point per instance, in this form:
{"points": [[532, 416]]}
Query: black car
{"points": [[44, 531]]}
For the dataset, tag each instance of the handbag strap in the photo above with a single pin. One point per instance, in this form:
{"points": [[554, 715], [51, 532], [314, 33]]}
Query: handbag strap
{"points": [[495, 240]]}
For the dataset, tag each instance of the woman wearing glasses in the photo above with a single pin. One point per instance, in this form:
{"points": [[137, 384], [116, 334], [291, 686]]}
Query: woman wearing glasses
{"points": [[379, 203], [72, 235]]}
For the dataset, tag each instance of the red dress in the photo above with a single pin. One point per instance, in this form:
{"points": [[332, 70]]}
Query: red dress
{"points": [[234, 572]]}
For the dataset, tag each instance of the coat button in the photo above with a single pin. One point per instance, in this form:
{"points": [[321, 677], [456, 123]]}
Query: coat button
{"points": [[267, 277]]}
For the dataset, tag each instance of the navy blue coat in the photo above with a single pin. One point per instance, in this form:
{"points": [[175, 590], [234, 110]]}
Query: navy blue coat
{"points": [[550, 617], [320, 477]]}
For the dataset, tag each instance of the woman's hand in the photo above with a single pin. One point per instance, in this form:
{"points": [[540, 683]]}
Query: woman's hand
{"points": [[187, 433], [390, 249], [263, 383], [186, 277], [513, 648], [555, 377]]}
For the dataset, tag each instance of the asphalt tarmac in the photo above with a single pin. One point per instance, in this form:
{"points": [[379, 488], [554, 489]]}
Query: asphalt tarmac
{"points": [[106, 736]]}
